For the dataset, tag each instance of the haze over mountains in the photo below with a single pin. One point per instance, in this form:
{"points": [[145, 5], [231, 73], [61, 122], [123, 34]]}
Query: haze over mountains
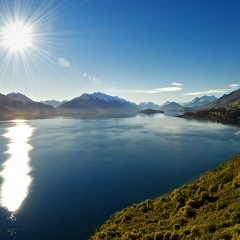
{"points": [[173, 106], [200, 101], [53, 103], [146, 105], [19, 106], [98, 104], [19, 97]]}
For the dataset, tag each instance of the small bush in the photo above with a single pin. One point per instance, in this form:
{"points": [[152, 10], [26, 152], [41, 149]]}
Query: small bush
{"points": [[211, 228], [178, 205], [176, 226], [195, 232], [221, 205], [237, 228], [213, 188], [193, 203], [200, 189], [148, 237], [226, 235], [188, 211], [126, 218], [174, 236], [101, 235], [220, 186], [225, 223], [134, 236], [235, 184], [167, 236], [204, 196], [235, 216], [182, 221], [158, 236], [186, 231]]}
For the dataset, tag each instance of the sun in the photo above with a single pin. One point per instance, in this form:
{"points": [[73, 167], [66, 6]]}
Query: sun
{"points": [[16, 36], [28, 39]]}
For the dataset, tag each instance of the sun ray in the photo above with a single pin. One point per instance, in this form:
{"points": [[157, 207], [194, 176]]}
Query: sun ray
{"points": [[27, 38]]}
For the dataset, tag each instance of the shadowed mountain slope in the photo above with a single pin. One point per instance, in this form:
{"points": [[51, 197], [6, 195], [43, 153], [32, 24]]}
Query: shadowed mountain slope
{"points": [[23, 108], [19, 97], [227, 100]]}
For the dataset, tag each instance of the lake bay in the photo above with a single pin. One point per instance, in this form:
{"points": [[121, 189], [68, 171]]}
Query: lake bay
{"points": [[61, 178]]}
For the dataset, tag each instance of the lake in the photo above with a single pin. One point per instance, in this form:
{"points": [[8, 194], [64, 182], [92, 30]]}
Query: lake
{"points": [[61, 178]]}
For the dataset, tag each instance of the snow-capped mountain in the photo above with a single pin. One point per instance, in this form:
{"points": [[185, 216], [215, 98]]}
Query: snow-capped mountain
{"points": [[103, 97], [200, 101], [98, 104]]}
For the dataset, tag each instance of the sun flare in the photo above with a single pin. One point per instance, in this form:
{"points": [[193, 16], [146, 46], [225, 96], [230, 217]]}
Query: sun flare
{"points": [[27, 38], [17, 36]]}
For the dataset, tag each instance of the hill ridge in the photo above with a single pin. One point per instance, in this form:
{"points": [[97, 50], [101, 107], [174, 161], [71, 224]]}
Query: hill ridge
{"points": [[206, 209]]}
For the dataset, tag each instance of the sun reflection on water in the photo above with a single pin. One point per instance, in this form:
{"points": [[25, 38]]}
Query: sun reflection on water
{"points": [[16, 169]]}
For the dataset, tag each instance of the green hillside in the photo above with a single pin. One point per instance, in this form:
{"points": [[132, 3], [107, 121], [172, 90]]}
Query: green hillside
{"points": [[207, 209]]}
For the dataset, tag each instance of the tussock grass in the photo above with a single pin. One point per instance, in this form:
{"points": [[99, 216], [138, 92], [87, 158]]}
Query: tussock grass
{"points": [[209, 208]]}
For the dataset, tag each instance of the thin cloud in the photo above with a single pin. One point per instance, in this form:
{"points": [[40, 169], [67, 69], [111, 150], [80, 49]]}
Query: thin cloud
{"points": [[157, 90], [176, 84], [234, 85], [205, 92]]}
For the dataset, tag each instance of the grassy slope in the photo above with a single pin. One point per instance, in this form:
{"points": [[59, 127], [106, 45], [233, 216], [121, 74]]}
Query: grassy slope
{"points": [[207, 209]]}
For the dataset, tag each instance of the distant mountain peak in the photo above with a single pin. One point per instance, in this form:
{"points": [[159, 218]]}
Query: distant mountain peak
{"points": [[98, 103], [146, 105], [101, 96], [53, 103], [171, 106], [227, 100], [200, 101], [19, 97], [166, 103]]}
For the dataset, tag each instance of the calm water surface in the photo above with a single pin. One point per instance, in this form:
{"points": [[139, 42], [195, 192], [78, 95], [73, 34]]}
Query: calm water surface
{"points": [[62, 178]]}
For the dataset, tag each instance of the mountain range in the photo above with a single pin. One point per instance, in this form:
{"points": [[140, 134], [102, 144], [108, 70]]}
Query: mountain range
{"points": [[98, 104], [15, 105], [147, 105], [19, 97], [194, 105], [171, 106], [53, 103], [231, 100], [226, 109], [200, 101]]}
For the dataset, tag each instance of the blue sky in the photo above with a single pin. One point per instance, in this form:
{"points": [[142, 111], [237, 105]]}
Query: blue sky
{"points": [[140, 50]]}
